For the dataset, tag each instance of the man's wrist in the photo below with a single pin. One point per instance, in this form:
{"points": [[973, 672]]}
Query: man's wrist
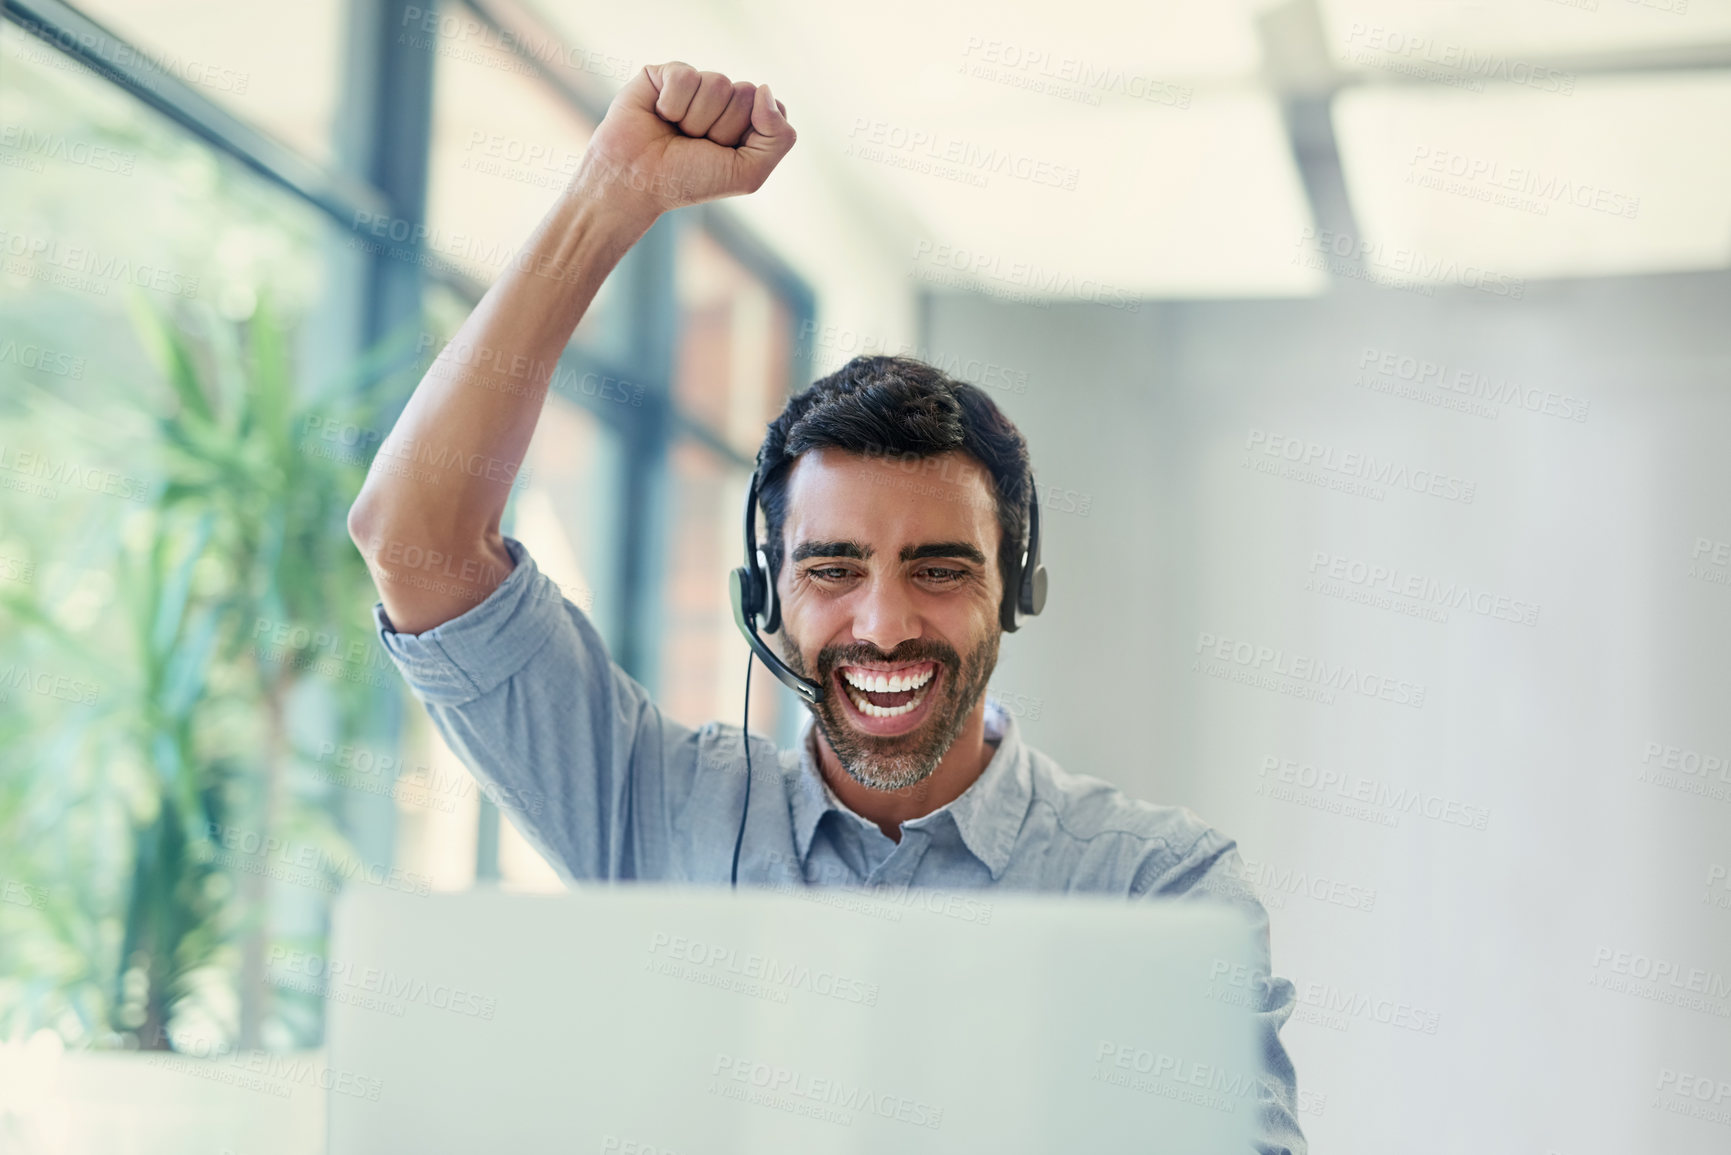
{"points": [[626, 196]]}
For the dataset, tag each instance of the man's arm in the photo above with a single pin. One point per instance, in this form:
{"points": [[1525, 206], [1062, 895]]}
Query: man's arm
{"points": [[1212, 871], [672, 136]]}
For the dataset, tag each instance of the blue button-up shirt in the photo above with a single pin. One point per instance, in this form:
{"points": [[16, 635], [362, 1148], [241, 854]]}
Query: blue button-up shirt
{"points": [[606, 786]]}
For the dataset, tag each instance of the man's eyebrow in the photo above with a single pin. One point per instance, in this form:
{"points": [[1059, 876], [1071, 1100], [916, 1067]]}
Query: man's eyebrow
{"points": [[851, 549], [962, 549], [859, 551]]}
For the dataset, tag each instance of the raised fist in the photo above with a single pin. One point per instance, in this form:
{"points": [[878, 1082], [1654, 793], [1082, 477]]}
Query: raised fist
{"points": [[676, 136]]}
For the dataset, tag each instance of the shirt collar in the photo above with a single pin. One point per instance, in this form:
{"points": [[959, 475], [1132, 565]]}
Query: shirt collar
{"points": [[988, 815]]}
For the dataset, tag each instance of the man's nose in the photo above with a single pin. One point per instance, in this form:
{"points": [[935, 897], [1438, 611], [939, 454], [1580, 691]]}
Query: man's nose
{"points": [[885, 615]]}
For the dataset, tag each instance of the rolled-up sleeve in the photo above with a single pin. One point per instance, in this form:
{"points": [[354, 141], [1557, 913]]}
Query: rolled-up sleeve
{"points": [[1211, 870], [571, 748]]}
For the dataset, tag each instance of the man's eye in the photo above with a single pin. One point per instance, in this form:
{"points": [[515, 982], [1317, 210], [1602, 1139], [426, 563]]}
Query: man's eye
{"points": [[829, 573], [944, 575]]}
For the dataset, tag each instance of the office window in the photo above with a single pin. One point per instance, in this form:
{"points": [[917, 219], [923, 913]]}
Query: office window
{"points": [[278, 66], [703, 656], [174, 573], [504, 146], [206, 605], [732, 370]]}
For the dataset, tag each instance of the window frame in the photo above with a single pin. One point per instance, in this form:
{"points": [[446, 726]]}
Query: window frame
{"points": [[384, 171]]}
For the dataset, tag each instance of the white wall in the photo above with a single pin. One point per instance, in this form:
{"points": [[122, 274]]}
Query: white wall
{"points": [[1493, 936]]}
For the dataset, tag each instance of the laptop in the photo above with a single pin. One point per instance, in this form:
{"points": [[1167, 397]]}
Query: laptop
{"points": [[651, 1020]]}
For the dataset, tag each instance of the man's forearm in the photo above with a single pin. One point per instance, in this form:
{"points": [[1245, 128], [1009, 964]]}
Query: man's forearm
{"points": [[478, 405], [427, 520]]}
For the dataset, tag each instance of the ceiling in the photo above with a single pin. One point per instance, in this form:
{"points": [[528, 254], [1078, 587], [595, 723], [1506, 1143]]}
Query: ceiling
{"points": [[1160, 149], [1115, 150]]}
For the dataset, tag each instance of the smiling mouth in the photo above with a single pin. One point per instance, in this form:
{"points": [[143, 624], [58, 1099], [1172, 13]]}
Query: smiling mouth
{"points": [[887, 693]]}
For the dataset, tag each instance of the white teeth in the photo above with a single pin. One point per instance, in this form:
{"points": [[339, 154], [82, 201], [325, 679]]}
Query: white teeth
{"points": [[887, 683], [874, 711]]}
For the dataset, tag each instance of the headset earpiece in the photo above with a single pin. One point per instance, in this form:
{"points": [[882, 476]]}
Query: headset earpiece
{"points": [[744, 589], [754, 600], [1034, 592], [769, 606], [1029, 596]]}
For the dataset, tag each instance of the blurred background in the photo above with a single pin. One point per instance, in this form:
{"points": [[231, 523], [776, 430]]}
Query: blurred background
{"points": [[1376, 364]]}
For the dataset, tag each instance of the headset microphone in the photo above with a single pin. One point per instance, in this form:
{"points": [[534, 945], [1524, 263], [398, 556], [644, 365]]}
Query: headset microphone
{"points": [[752, 588]]}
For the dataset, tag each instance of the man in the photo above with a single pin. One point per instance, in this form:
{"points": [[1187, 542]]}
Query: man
{"points": [[891, 586]]}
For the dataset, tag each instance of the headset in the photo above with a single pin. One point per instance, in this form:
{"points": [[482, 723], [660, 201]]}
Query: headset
{"points": [[752, 588]]}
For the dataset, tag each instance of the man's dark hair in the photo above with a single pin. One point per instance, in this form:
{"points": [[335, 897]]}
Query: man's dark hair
{"points": [[899, 408]]}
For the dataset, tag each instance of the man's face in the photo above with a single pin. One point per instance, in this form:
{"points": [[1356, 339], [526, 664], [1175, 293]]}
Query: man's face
{"points": [[890, 570]]}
